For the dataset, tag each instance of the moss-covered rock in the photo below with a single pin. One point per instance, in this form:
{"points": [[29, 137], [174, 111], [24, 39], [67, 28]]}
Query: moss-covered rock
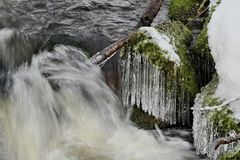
{"points": [[202, 58], [141, 43], [235, 155], [211, 124], [157, 73], [180, 37], [209, 98], [145, 121], [201, 45], [223, 122], [182, 10]]}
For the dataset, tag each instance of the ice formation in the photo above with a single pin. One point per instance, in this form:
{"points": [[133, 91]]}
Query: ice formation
{"points": [[157, 90], [144, 85]]}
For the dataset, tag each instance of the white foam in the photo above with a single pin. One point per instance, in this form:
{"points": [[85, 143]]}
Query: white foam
{"points": [[79, 120]]}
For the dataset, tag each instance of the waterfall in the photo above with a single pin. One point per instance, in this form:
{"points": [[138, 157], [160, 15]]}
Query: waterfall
{"points": [[58, 107]]}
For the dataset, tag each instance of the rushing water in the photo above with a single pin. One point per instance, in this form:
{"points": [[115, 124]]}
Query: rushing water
{"points": [[56, 105], [72, 21], [87, 24], [60, 108]]}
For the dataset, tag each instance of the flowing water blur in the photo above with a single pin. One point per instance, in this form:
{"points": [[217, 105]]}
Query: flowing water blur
{"points": [[56, 105], [60, 108]]}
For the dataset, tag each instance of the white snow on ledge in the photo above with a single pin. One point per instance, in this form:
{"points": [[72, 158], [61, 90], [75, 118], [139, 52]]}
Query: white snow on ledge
{"points": [[163, 41]]}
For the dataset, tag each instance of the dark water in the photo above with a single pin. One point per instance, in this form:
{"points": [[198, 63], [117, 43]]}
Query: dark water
{"points": [[89, 24]]}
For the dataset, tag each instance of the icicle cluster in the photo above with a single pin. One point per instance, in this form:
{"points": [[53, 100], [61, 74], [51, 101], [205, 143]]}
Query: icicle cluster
{"points": [[205, 134], [157, 76], [151, 89]]}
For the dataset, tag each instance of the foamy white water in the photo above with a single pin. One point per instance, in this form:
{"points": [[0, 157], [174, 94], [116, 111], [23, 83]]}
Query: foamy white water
{"points": [[59, 108]]}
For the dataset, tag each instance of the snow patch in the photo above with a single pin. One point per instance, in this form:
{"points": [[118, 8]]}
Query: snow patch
{"points": [[224, 34], [163, 41]]}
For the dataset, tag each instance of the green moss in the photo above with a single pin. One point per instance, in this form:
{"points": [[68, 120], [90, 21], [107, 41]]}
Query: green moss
{"points": [[235, 155], [180, 37], [202, 58], [145, 121], [210, 98], [141, 43], [178, 77], [154, 54], [182, 10], [201, 46], [223, 122], [179, 32]]}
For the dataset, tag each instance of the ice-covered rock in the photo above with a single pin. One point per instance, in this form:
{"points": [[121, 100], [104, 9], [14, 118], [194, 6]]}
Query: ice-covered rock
{"points": [[209, 124], [212, 122], [157, 75]]}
